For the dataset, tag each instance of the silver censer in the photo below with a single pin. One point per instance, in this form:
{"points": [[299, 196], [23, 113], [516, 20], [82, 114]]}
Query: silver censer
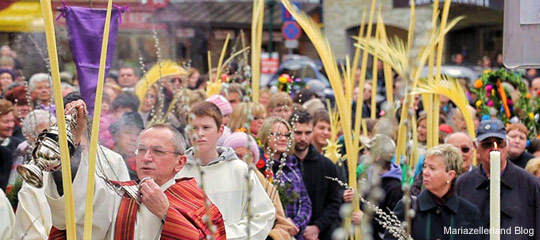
{"points": [[46, 153]]}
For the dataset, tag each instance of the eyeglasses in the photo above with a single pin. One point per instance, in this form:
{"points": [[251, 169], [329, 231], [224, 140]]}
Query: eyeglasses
{"points": [[489, 144], [278, 135], [465, 149], [154, 151]]}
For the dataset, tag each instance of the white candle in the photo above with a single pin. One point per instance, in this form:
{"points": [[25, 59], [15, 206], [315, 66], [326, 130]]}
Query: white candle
{"points": [[495, 195]]}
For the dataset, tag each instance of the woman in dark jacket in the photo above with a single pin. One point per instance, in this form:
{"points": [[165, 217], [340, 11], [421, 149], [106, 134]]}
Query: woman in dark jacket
{"points": [[440, 213]]}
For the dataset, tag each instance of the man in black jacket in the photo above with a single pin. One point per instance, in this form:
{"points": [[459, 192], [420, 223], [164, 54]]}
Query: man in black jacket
{"points": [[325, 194], [520, 191]]}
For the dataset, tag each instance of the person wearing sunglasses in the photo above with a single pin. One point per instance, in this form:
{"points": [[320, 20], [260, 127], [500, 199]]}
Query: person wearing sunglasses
{"points": [[464, 143], [520, 190]]}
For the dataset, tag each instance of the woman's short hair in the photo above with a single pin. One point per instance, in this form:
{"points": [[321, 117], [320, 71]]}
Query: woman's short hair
{"points": [[37, 78], [34, 119], [280, 99], [517, 126], [449, 154], [241, 112], [126, 99], [533, 165], [5, 107]]}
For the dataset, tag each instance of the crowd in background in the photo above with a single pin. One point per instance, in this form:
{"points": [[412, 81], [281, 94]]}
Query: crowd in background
{"points": [[285, 135]]}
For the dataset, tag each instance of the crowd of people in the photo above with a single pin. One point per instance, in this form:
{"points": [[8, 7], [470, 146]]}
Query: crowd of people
{"points": [[226, 167]]}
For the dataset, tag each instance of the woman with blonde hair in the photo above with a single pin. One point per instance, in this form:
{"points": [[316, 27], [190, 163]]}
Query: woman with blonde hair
{"points": [[533, 167], [280, 105], [438, 207], [276, 141], [241, 115]]}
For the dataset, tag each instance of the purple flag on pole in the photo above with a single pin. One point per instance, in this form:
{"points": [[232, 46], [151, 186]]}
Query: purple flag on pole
{"points": [[85, 32]]}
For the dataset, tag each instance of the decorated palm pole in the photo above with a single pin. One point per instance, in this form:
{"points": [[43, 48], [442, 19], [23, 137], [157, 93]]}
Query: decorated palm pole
{"points": [[46, 10]]}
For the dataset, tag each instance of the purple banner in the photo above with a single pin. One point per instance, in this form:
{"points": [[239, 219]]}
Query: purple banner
{"points": [[85, 32]]}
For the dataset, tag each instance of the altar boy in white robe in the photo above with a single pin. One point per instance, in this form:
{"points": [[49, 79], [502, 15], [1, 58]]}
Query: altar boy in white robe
{"points": [[227, 180]]}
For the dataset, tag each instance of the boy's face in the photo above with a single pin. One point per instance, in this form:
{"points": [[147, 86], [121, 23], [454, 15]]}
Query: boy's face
{"points": [[321, 132], [207, 133]]}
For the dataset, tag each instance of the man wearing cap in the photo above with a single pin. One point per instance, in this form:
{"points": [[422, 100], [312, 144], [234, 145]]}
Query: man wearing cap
{"points": [[520, 191]]}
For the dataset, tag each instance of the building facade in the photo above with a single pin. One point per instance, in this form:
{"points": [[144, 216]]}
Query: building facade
{"points": [[478, 35]]}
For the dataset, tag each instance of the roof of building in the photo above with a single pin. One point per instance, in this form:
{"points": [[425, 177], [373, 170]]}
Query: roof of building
{"points": [[219, 14]]}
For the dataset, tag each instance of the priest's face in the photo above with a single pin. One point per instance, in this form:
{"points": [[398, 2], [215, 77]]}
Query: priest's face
{"points": [[156, 155]]}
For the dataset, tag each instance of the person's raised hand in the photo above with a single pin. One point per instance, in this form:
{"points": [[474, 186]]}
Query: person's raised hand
{"points": [[153, 198], [78, 107]]}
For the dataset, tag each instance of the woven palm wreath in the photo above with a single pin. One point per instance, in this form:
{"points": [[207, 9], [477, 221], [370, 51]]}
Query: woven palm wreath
{"points": [[491, 94]]}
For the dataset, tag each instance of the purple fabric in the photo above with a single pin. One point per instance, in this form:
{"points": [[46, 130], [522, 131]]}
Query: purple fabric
{"points": [[300, 210], [85, 31]]}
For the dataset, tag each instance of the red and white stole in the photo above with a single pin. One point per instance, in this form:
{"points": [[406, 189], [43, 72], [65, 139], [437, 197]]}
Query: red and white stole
{"points": [[184, 218]]}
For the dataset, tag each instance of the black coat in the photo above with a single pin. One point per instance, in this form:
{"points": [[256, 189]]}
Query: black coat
{"points": [[6, 162], [392, 195], [325, 194], [7, 149], [431, 220], [522, 159], [520, 199]]}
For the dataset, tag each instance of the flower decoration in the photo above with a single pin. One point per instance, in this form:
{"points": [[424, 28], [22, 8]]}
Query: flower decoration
{"points": [[284, 82], [478, 83], [492, 95]]}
